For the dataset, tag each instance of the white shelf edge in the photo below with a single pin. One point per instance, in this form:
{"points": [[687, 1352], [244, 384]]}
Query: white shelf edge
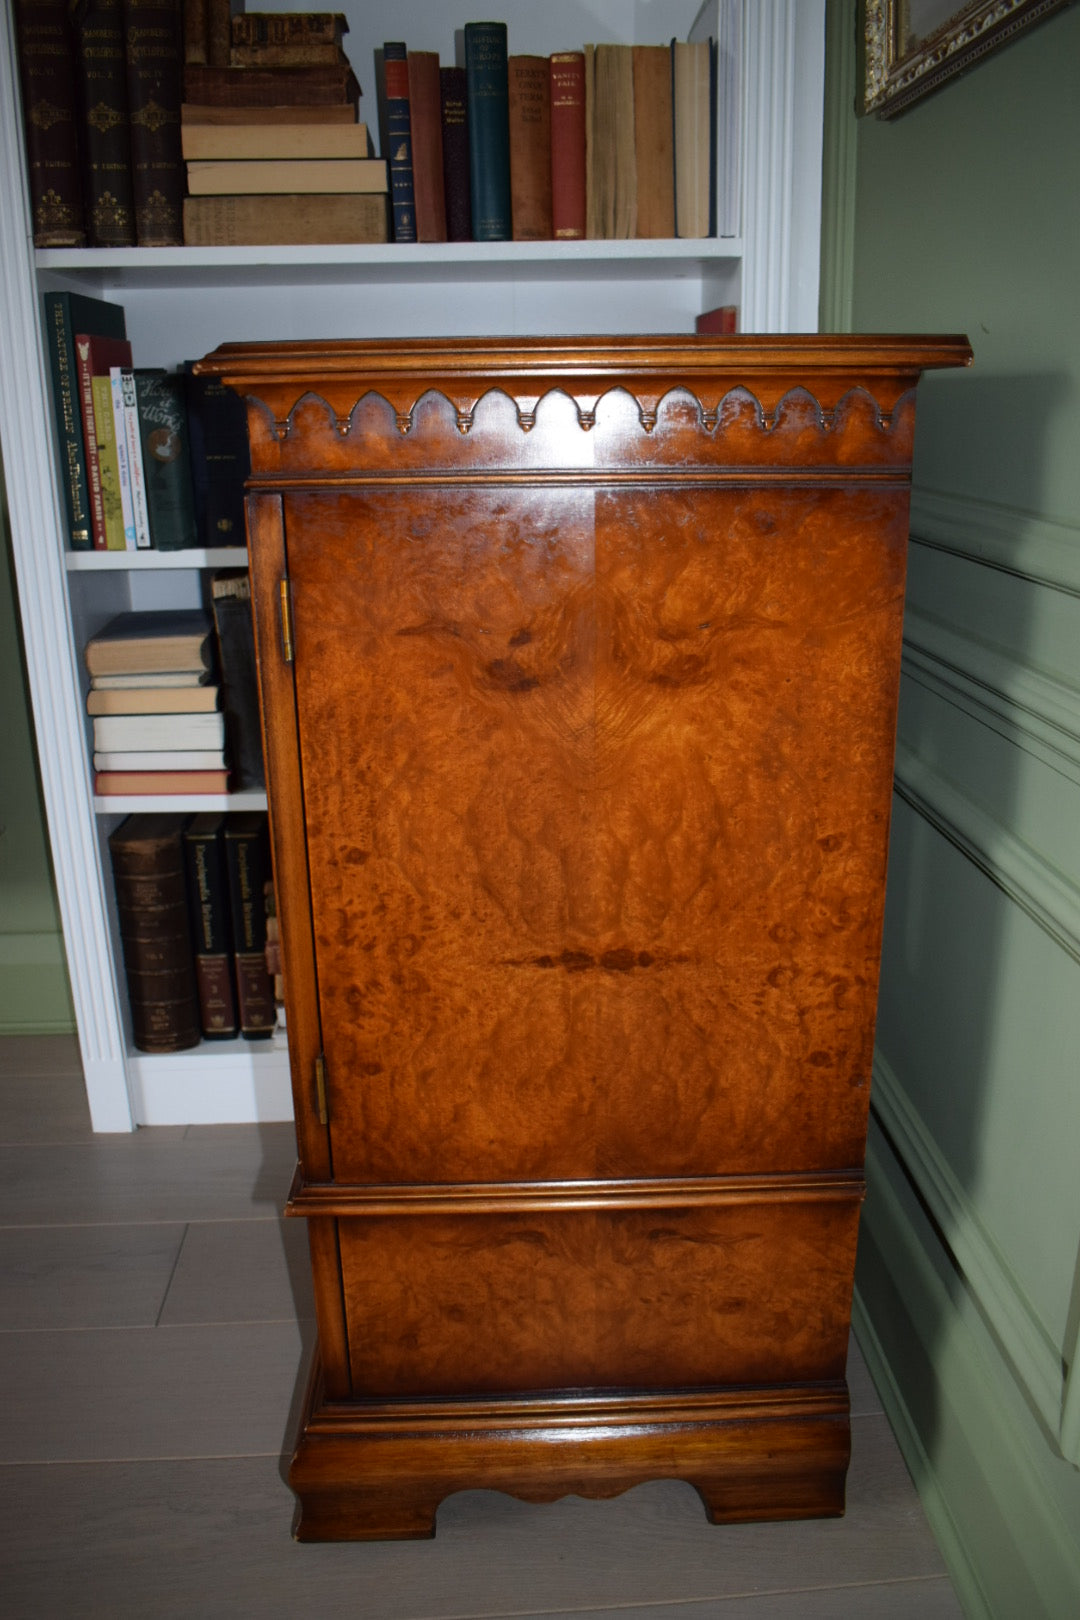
{"points": [[92, 562], [123, 804]]}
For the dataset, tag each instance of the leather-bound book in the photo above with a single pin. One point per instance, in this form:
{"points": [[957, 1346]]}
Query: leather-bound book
{"points": [[239, 221], [196, 31], [425, 122], [396, 131], [50, 121], [151, 898], [455, 150], [529, 101], [489, 131], [247, 848], [654, 151], [210, 86], [219, 456], [155, 66], [568, 145], [208, 903], [230, 598], [101, 66]]}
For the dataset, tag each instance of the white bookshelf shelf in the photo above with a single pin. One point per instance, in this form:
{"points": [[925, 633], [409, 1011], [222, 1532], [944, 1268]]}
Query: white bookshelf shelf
{"points": [[215, 1083], [94, 562], [126, 804]]}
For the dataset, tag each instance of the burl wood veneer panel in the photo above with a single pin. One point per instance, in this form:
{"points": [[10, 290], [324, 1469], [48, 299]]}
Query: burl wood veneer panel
{"points": [[596, 815]]}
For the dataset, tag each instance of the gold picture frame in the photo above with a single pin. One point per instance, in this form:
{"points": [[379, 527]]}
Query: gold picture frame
{"points": [[912, 47]]}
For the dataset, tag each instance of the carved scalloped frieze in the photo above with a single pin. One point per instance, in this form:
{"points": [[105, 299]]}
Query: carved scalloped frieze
{"points": [[712, 410]]}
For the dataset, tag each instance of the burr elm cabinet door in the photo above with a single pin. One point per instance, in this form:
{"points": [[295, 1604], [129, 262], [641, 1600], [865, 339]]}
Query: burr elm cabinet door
{"points": [[579, 667]]}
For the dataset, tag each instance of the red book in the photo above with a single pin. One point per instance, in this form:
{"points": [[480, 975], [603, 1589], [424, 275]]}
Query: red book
{"points": [[568, 144], [93, 357], [720, 322], [425, 119]]}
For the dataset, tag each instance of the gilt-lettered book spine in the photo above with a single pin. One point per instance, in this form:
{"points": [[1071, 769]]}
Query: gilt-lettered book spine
{"points": [[154, 48], [398, 147], [208, 896], [50, 121], [152, 909], [247, 847], [102, 72]]}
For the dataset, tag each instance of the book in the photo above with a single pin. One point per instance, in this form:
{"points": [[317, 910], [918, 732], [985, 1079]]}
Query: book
{"points": [[94, 357], [166, 458], [720, 21], [267, 117], [529, 118], [247, 863], [141, 733], [250, 176], [166, 679], [611, 184], [152, 699], [155, 65], [162, 759], [67, 314], [315, 53], [196, 31], [692, 102], [453, 103], [104, 130], [172, 639], [654, 152], [153, 784], [146, 852], [396, 133], [568, 145], [230, 601], [220, 459], [722, 321], [288, 28], [270, 87], [208, 907], [425, 125], [108, 464], [277, 140], [290, 218], [129, 458], [50, 122], [487, 93]]}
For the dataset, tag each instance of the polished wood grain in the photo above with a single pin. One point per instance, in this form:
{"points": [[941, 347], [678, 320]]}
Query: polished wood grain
{"points": [[580, 739]]}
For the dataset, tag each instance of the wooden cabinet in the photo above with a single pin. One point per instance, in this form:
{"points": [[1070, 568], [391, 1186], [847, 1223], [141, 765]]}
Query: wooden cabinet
{"points": [[579, 665]]}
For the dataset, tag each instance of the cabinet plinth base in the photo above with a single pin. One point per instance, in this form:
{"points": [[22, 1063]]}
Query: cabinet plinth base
{"points": [[378, 1471]]}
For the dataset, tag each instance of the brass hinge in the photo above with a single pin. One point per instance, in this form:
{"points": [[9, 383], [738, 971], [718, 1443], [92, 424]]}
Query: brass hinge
{"points": [[286, 621], [320, 1089]]}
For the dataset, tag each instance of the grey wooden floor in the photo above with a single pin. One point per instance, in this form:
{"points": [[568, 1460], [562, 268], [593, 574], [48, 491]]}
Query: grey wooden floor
{"points": [[155, 1315]]}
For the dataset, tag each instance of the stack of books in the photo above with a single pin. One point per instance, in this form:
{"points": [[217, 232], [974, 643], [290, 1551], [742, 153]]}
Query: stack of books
{"points": [[271, 142], [154, 708]]}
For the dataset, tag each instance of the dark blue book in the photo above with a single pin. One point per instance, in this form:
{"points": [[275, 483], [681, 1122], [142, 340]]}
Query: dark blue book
{"points": [[220, 459], [67, 313], [397, 140], [489, 131]]}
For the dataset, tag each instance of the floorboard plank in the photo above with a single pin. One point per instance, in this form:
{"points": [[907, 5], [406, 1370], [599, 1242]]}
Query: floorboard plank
{"points": [[241, 1271], [64, 1277]]}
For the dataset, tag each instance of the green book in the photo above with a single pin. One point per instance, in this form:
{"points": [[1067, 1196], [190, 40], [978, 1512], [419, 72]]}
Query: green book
{"points": [[166, 448], [67, 313]]}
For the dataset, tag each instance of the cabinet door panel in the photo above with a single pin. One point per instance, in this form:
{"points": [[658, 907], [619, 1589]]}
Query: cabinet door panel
{"points": [[590, 897]]}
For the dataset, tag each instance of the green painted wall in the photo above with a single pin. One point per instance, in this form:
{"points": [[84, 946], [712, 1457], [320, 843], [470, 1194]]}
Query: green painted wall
{"points": [[34, 997], [961, 216]]}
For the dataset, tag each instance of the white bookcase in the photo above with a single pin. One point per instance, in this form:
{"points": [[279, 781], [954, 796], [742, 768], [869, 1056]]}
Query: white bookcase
{"points": [[183, 302]]}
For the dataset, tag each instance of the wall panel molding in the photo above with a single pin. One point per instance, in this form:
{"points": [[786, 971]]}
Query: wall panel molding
{"points": [[1050, 898], [1036, 1361], [1034, 710], [1003, 537]]}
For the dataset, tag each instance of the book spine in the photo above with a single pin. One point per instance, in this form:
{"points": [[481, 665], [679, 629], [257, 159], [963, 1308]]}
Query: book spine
{"points": [[298, 53], [108, 466], [136, 470], [73, 482], [455, 149], [196, 31], [154, 48], [102, 73], [529, 103], [398, 151], [50, 122], [156, 938], [166, 459], [85, 373], [123, 466], [208, 903], [425, 122], [288, 28], [269, 87], [218, 32], [220, 459], [489, 132], [289, 217], [230, 595], [568, 145], [653, 148], [248, 864], [720, 322]]}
